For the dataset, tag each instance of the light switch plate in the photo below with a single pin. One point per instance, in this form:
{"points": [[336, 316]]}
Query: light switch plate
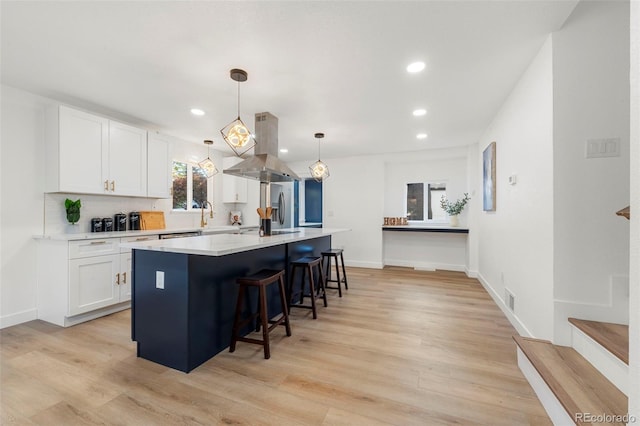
{"points": [[599, 148], [512, 180]]}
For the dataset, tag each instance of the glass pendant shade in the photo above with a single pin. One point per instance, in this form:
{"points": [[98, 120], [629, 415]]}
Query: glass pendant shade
{"points": [[238, 137], [207, 164], [319, 171], [236, 134]]}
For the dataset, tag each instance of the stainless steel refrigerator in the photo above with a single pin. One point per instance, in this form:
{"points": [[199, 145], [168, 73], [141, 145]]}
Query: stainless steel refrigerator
{"points": [[282, 205]]}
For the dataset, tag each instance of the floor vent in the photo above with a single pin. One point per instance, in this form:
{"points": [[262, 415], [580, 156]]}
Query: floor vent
{"points": [[509, 300]]}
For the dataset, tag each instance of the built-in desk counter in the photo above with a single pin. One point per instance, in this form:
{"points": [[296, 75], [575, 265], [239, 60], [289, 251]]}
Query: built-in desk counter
{"points": [[418, 228], [184, 290], [425, 247]]}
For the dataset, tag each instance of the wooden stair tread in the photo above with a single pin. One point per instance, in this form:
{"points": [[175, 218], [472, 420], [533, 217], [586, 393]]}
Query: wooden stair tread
{"points": [[577, 385], [613, 337]]}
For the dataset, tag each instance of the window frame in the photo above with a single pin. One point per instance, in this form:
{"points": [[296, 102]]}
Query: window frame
{"points": [[189, 189], [425, 200]]}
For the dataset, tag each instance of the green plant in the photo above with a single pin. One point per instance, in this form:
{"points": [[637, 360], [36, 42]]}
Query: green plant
{"points": [[454, 208], [73, 210]]}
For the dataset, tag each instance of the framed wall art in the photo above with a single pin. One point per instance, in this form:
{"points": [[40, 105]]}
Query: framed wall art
{"points": [[489, 178]]}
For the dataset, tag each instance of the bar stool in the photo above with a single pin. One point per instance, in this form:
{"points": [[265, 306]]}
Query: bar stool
{"points": [[307, 264], [333, 254], [261, 280]]}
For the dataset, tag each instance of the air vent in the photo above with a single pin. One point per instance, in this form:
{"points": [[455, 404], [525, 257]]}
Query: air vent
{"points": [[509, 300]]}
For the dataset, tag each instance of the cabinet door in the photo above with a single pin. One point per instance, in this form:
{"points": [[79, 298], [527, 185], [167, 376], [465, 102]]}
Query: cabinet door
{"points": [[124, 286], [234, 189], [127, 160], [82, 146], [92, 283], [158, 166]]}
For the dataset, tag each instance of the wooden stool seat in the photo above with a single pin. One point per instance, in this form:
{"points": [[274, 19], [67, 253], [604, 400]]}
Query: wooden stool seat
{"points": [[261, 280], [307, 264], [333, 254]]}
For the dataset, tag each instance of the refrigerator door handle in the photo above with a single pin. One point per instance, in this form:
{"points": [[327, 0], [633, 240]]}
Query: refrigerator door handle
{"points": [[281, 208]]}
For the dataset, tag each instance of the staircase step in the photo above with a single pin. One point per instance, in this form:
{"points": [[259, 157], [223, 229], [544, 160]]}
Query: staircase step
{"points": [[574, 382], [613, 337]]}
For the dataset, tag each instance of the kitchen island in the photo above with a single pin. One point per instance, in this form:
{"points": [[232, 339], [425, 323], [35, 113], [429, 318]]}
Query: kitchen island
{"points": [[184, 291]]}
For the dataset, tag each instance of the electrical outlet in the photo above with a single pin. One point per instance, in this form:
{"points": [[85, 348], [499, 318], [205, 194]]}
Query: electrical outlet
{"points": [[160, 280], [509, 300]]}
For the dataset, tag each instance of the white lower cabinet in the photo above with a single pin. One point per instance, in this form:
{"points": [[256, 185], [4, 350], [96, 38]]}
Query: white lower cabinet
{"points": [[82, 280]]}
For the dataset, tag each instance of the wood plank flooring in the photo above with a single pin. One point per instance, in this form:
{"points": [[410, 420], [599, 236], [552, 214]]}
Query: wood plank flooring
{"points": [[612, 337], [401, 347]]}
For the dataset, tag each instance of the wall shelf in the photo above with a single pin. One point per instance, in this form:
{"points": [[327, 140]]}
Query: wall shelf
{"points": [[443, 229]]}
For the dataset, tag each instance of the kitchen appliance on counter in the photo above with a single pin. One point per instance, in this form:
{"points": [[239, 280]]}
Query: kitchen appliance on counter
{"points": [[96, 224], [107, 224], [134, 221], [119, 222]]}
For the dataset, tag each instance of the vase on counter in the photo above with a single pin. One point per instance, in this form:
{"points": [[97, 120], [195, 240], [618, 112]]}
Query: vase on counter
{"points": [[453, 220]]}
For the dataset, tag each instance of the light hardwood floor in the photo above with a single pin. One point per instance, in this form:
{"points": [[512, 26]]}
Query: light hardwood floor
{"points": [[401, 347]]}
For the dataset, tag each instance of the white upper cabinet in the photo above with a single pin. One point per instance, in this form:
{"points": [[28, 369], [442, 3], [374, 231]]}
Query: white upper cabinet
{"points": [[159, 166], [127, 160], [82, 138], [234, 189], [89, 154]]}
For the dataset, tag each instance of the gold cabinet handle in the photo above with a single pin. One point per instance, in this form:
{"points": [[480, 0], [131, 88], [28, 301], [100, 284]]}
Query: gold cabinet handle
{"points": [[124, 278], [96, 243], [106, 185], [142, 239], [118, 278], [113, 185]]}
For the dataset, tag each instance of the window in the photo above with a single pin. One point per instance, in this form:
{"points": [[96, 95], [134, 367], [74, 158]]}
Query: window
{"points": [[190, 186], [425, 205]]}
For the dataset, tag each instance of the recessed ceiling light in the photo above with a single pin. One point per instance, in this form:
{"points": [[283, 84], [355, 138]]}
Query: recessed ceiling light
{"points": [[421, 136], [197, 111], [284, 150], [420, 112], [415, 67]]}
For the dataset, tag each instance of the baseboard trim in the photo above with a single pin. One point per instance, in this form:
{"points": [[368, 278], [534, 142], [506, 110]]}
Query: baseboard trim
{"points": [[362, 264], [18, 318], [69, 321], [513, 319], [423, 266]]}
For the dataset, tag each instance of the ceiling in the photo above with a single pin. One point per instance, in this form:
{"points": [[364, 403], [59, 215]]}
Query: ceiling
{"points": [[337, 67]]}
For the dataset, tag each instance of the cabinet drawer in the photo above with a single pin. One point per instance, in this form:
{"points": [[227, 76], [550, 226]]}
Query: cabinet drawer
{"points": [[136, 239], [89, 248]]}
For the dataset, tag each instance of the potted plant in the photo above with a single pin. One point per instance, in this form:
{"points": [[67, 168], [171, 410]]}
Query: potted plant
{"points": [[73, 211], [454, 209]]}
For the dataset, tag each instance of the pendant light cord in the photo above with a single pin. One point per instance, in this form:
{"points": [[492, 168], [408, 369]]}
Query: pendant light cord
{"points": [[238, 99]]}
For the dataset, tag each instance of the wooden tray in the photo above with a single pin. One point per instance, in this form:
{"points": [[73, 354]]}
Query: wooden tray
{"points": [[152, 220]]}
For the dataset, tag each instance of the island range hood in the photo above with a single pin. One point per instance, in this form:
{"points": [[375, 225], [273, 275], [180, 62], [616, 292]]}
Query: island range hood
{"points": [[264, 165]]}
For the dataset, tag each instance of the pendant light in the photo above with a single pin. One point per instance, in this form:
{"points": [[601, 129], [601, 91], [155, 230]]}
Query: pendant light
{"points": [[319, 170], [236, 134], [207, 164]]}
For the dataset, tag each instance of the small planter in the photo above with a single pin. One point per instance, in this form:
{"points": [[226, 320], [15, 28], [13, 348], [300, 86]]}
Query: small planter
{"points": [[453, 220]]}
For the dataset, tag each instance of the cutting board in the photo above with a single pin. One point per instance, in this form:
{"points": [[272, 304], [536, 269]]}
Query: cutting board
{"points": [[152, 220]]}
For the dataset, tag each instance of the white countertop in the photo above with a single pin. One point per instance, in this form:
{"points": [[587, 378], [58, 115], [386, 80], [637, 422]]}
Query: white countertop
{"points": [[125, 234], [223, 244]]}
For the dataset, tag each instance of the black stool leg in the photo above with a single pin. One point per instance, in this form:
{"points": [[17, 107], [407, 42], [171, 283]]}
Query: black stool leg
{"points": [[291, 281], [311, 291], [323, 283], [344, 273], [339, 281], [264, 316], [236, 320], [283, 301], [304, 271]]}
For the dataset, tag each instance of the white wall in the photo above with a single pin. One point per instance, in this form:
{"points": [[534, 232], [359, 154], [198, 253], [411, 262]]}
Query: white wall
{"points": [[515, 243], [634, 320], [591, 100], [22, 177]]}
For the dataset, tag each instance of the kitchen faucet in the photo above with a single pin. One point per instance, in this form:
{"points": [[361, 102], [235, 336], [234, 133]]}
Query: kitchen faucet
{"points": [[203, 222]]}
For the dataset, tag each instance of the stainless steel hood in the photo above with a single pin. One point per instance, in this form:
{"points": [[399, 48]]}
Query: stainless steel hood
{"points": [[264, 165]]}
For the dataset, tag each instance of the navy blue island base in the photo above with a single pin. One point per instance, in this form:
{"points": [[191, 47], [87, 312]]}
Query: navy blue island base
{"points": [[190, 320]]}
